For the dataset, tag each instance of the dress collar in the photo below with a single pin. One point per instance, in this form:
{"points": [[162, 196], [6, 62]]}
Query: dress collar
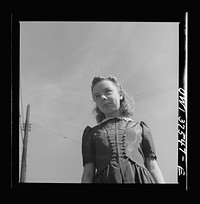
{"points": [[120, 117]]}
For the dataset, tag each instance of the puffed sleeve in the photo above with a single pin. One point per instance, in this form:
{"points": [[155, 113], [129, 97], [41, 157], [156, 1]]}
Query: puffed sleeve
{"points": [[148, 146], [87, 146]]}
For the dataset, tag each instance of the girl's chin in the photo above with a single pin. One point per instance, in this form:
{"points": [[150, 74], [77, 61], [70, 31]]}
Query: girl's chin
{"points": [[111, 114]]}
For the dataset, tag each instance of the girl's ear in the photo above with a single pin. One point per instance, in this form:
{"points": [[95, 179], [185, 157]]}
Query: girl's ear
{"points": [[121, 95]]}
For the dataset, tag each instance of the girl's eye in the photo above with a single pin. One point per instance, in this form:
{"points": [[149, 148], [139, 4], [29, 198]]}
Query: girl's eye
{"points": [[96, 97], [108, 91]]}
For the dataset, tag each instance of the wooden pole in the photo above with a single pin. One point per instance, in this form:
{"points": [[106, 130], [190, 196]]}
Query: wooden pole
{"points": [[24, 152]]}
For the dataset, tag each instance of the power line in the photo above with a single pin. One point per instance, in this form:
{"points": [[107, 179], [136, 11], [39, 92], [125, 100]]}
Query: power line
{"points": [[137, 97], [160, 88], [71, 116], [61, 120], [61, 135], [154, 92], [64, 116], [68, 115]]}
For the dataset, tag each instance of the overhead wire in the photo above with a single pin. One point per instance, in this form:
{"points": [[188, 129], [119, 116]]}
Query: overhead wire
{"points": [[71, 116], [67, 117], [154, 92], [61, 119], [136, 97], [61, 135], [62, 116]]}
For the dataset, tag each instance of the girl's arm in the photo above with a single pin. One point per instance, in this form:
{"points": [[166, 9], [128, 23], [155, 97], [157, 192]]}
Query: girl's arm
{"points": [[154, 169], [88, 173]]}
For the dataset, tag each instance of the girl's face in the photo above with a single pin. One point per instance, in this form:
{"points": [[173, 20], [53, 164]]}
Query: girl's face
{"points": [[107, 97]]}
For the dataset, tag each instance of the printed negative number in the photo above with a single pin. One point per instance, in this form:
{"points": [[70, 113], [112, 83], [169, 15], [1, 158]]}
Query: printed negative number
{"points": [[181, 171], [181, 120], [183, 126], [182, 99]]}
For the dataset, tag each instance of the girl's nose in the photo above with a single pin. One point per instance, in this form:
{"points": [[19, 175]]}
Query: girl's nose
{"points": [[103, 97]]}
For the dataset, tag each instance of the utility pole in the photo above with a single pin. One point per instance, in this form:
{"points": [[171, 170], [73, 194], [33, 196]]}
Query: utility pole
{"points": [[25, 141]]}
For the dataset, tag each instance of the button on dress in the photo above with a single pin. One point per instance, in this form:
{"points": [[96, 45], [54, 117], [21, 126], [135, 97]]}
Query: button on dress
{"points": [[118, 148]]}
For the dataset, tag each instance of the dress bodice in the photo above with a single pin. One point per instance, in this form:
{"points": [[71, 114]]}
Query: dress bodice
{"points": [[115, 141], [116, 136]]}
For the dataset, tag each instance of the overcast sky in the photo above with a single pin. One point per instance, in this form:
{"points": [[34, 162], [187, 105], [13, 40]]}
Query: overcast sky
{"points": [[58, 61]]}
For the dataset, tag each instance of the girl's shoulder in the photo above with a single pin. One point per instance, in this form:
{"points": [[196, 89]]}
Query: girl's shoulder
{"points": [[140, 127], [90, 129], [141, 124]]}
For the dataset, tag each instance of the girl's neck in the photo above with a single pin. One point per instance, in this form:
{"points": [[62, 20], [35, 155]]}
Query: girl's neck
{"points": [[112, 115]]}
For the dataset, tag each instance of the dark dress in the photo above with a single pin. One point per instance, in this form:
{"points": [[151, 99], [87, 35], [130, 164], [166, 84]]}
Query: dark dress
{"points": [[118, 148]]}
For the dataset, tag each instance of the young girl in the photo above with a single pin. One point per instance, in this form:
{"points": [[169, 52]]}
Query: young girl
{"points": [[118, 149]]}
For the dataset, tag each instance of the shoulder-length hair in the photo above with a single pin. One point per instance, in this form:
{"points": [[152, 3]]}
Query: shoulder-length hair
{"points": [[126, 103]]}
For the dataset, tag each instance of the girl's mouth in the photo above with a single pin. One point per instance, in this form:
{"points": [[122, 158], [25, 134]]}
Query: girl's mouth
{"points": [[105, 104]]}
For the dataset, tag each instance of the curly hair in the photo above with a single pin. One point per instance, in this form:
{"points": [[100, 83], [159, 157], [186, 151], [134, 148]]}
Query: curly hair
{"points": [[126, 103]]}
